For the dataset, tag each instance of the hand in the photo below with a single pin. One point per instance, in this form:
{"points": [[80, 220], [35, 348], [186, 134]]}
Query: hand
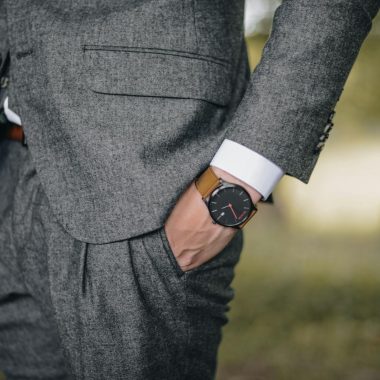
{"points": [[192, 236]]}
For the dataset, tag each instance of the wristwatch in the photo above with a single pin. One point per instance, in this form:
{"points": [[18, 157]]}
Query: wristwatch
{"points": [[229, 204]]}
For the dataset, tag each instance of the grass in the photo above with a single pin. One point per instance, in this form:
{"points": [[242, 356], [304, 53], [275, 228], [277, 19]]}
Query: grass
{"points": [[305, 307]]}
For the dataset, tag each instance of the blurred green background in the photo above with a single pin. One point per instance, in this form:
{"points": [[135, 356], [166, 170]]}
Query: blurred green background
{"points": [[307, 288]]}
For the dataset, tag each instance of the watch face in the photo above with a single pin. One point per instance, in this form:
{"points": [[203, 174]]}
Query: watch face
{"points": [[230, 205]]}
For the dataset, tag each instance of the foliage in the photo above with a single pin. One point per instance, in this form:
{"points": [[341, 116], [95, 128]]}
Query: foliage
{"points": [[305, 307]]}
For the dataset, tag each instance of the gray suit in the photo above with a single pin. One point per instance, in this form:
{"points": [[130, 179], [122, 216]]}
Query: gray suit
{"points": [[123, 104]]}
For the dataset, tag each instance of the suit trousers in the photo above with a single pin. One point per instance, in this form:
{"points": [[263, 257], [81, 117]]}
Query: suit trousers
{"points": [[72, 309]]}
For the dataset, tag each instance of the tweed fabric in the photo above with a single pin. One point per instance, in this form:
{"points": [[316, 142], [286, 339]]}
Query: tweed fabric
{"points": [[3, 35], [124, 310], [125, 102], [30, 347], [303, 69]]}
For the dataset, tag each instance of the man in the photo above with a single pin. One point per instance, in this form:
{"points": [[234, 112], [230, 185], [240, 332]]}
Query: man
{"points": [[136, 146]]}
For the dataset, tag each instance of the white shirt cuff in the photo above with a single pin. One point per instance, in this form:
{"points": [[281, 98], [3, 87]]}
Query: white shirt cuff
{"points": [[248, 166], [11, 116]]}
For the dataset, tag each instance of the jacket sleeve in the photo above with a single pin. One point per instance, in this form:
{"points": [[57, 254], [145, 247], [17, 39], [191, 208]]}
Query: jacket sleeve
{"points": [[294, 88]]}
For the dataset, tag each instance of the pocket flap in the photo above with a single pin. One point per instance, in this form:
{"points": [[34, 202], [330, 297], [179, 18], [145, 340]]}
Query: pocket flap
{"points": [[157, 73]]}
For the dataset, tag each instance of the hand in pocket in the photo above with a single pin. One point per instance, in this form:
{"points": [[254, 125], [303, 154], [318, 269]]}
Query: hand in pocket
{"points": [[192, 236]]}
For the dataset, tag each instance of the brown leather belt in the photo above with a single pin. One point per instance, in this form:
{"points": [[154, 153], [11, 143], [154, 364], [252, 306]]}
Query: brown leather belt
{"points": [[14, 132]]}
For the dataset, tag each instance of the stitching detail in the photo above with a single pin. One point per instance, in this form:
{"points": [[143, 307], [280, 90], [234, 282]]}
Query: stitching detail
{"points": [[195, 24], [177, 53], [160, 97]]}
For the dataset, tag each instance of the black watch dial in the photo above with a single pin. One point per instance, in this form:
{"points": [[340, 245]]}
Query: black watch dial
{"points": [[230, 205]]}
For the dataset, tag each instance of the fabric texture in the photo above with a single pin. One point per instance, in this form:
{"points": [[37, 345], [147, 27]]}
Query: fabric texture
{"points": [[124, 310], [174, 76], [236, 159], [30, 347], [149, 65], [294, 89]]}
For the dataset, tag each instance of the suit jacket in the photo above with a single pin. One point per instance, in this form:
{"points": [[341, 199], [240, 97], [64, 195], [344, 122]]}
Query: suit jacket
{"points": [[124, 102]]}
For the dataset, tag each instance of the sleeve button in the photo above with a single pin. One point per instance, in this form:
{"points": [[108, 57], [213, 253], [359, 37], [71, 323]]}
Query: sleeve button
{"points": [[328, 127], [331, 116]]}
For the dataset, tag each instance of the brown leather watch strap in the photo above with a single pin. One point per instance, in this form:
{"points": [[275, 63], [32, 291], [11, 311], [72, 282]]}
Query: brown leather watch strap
{"points": [[253, 212], [207, 182]]}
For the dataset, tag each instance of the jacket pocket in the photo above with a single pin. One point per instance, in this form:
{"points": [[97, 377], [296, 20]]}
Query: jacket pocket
{"points": [[153, 72]]}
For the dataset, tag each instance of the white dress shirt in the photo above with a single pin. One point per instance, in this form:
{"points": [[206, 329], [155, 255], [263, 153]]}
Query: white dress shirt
{"points": [[249, 166], [236, 159], [11, 116]]}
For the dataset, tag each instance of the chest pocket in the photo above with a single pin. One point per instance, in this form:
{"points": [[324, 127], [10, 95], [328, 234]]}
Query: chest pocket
{"points": [[157, 73]]}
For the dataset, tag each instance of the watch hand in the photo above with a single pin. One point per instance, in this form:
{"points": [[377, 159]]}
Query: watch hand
{"points": [[222, 214], [233, 211], [242, 214]]}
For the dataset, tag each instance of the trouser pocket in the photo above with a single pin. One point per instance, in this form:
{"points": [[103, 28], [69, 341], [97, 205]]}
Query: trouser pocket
{"points": [[203, 291], [209, 283], [194, 303], [208, 292]]}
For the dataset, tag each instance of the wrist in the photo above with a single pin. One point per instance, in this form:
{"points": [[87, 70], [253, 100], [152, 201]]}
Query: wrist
{"points": [[253, 193]]}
